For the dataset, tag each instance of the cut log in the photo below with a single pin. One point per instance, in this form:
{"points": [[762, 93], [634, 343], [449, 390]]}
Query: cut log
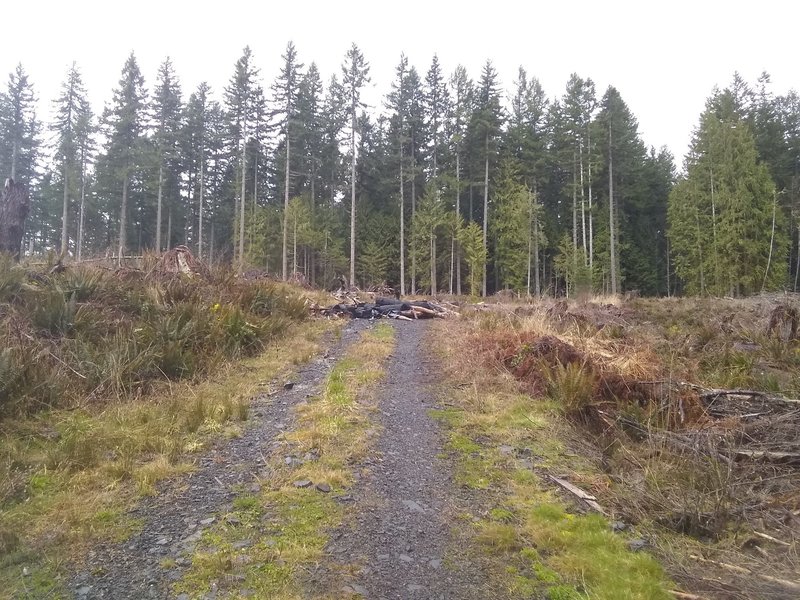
{"points": [[14, 206]]}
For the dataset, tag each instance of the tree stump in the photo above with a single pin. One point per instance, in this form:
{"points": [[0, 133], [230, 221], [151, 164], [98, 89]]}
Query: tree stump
{"points": [[14, 208]]}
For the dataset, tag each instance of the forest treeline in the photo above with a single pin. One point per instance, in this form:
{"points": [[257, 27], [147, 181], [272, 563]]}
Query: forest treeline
{"points": [[450, 185]]}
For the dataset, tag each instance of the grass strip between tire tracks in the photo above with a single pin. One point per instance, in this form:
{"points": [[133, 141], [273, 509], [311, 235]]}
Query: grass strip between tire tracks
{"points": [[277, 529]]}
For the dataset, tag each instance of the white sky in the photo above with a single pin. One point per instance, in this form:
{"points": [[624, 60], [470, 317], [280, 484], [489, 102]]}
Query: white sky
{"points": [[664, 57]]}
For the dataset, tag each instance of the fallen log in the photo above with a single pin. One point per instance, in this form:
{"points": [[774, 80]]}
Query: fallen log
{"points": [[790, 458]]}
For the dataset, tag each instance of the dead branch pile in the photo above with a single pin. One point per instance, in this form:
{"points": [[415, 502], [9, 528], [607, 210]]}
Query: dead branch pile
{"points": [[349, 304]]}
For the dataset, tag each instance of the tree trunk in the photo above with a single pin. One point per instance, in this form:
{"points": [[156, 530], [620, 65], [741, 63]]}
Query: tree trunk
{"points": [[413, 213], [485, 207], [123, 220], [458, 214], [433, 263], [158, 206], [591, 216], [285, 263], [14, 206], [583, 206], [353, 198], [402, 222], [169, 228], [200, 210], [536, 283], [242, 200], [612, 225], [574, 214], [81, 215], [65, 214]]}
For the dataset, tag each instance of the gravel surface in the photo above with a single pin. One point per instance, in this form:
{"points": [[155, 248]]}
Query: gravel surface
{"points": [[174, 520], [402, 537]]}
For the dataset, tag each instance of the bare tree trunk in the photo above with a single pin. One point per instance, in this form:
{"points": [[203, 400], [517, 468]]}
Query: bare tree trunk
{"points": [[591, 214], [286, 176], [574, 214], [402, 222], [485, 206], [14, 151], [242, 199], [123, 220], [771, 239], [294, 248], [536, 283], [81, 215], [413, 213], [14, 207], [200, 209], [612, 224], [169, 228], [353, 198], [159, 202], [458, 215], [433, 263], [65, 213], [583, 206]]}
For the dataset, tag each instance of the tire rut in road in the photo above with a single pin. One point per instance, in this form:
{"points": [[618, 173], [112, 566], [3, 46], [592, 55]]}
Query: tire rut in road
{"points": [[145, 565]]}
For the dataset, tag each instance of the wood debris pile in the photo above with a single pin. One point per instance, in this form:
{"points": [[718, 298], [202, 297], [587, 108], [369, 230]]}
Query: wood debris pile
{"points": [[350, 305]]}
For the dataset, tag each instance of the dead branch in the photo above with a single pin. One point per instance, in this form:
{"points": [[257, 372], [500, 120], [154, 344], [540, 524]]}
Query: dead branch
{"points": [[578, 492], [792, 585]]}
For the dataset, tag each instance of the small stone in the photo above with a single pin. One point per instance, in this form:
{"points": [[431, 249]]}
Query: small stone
{"points": [[618, 526], [323, 487], [241, 544], [288, 460], [506, 450], [254, 488], [637, 545], [384, 556], [413, 506], [359, 589], [182, 561], [162, 542], [413, 587], [406, 558], [231, 520], [435, 563], [246, 593], [83, 591], [302, 483], [26, 572], [208, 521], [288, 385], [183, 597]]}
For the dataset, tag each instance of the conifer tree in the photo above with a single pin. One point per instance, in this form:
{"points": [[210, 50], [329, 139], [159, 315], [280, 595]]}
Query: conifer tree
{"points": [[71, 127]]}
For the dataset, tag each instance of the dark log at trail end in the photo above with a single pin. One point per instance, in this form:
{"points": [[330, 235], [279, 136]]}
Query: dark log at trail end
{"points": [[14, 207]]}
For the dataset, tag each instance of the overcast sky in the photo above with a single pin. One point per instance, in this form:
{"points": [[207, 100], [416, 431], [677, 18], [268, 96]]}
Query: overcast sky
{"points": [[664, 57]]}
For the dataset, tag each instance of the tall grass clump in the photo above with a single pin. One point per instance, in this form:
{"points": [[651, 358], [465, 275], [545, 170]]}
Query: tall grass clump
{"points": [[93, 334]]}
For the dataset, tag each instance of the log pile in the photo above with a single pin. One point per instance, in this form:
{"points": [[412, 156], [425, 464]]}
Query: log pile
{"points": [[350, 305]]}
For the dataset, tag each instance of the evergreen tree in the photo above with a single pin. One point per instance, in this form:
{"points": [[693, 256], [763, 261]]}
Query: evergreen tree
{"points": [[487, 122], [286, 91], [71, 127], [725, 227], [166, 113], [19, 128], [355, 75], [460, 115], [124, 125], [240, 95]]}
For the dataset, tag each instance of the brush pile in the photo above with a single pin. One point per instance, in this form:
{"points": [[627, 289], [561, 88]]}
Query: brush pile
{"points": [[350, 305]]}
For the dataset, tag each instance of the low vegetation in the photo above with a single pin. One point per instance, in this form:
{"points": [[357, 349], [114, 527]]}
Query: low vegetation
{"points": [[111, 382], [654, 430]]}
